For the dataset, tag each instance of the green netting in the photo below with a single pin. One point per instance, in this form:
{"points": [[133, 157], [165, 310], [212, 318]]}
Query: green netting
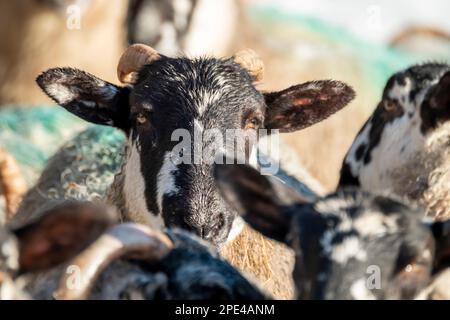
{"points": [[32, 135]]}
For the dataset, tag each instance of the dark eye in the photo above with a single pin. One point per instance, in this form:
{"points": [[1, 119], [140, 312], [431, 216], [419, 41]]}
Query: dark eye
{"points": [[253, 123], [141, 119], [390, 105]]}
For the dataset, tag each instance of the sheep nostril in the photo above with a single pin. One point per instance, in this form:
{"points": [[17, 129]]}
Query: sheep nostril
{"points": [[203, 233], [194, 228]]}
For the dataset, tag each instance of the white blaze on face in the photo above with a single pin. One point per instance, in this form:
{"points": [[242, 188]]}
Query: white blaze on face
{"points": [[134, 190], [236, 229], [207, 98], [166, 179]]}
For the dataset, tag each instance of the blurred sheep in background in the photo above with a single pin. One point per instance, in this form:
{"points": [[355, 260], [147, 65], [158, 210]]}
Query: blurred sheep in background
{"points": [[91, 34], [301, 40], [38, 34], [298, 40], [195, 27]]}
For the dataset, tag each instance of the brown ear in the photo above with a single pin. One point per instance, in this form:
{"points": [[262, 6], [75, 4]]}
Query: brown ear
{"points": [[303, 105], [62, 232], [254, 197]]}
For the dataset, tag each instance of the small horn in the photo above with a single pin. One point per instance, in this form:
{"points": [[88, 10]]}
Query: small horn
{"points": [[133, 59], [128, 239], [250, 61], [11, 182]]}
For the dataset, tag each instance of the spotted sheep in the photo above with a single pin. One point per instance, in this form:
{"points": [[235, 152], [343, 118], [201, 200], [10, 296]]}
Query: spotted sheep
{"points": [[181, 93], [164, 94], [348, 245], [111, 261], [133, 261], [404, 148], [57, 236]]}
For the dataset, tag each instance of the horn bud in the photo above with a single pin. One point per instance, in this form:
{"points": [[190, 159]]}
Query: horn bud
{"points": [[133, 59], [250, 61]]}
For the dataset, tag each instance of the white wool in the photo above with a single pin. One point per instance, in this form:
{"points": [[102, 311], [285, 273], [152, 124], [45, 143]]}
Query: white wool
{"points": [[359, 290], [134, 190], [348, 249], [166, 179]]}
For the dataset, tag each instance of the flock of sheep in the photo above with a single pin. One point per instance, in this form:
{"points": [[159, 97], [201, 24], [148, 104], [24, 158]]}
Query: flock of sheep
{"points": [[155, 229]]}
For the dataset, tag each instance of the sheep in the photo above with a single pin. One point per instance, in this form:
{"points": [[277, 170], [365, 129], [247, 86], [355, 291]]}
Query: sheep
{"points": [[190, 94], [348, 245], [80, 239], [404, 147], [132, 261], [58, 235], [173, 26], [83, 170], [34, 35], [194, 95]]}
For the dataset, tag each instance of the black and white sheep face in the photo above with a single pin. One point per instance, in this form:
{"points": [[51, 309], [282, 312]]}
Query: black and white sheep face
{"points": [[349, 245], [410, 126], [174, 107], [164, 184]]}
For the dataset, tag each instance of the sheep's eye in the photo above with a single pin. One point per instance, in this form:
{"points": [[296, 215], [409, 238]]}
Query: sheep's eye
{"points": [[410, 268], [416, 267], [390, 105], [141, 119], [253, 123]]}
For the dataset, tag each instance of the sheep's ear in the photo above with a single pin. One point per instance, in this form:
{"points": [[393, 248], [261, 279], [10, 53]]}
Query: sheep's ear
{"points": [[253, 196], [87, 96], [441, 233], [440, 96], [303, 105], [61, 233]]}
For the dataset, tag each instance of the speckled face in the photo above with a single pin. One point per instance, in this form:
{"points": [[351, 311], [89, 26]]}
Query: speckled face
{"points": [[355, 246], [205, 98], [192, 98], [411, 123], [348, 245]]}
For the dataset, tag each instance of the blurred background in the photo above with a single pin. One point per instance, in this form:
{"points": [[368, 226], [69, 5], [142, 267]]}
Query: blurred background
{"points": [[361, 42]]}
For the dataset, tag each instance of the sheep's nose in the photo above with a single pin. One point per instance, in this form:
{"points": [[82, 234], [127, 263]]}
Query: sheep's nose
{"points": [[206, 231], [199, 230], [202, 232]]}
